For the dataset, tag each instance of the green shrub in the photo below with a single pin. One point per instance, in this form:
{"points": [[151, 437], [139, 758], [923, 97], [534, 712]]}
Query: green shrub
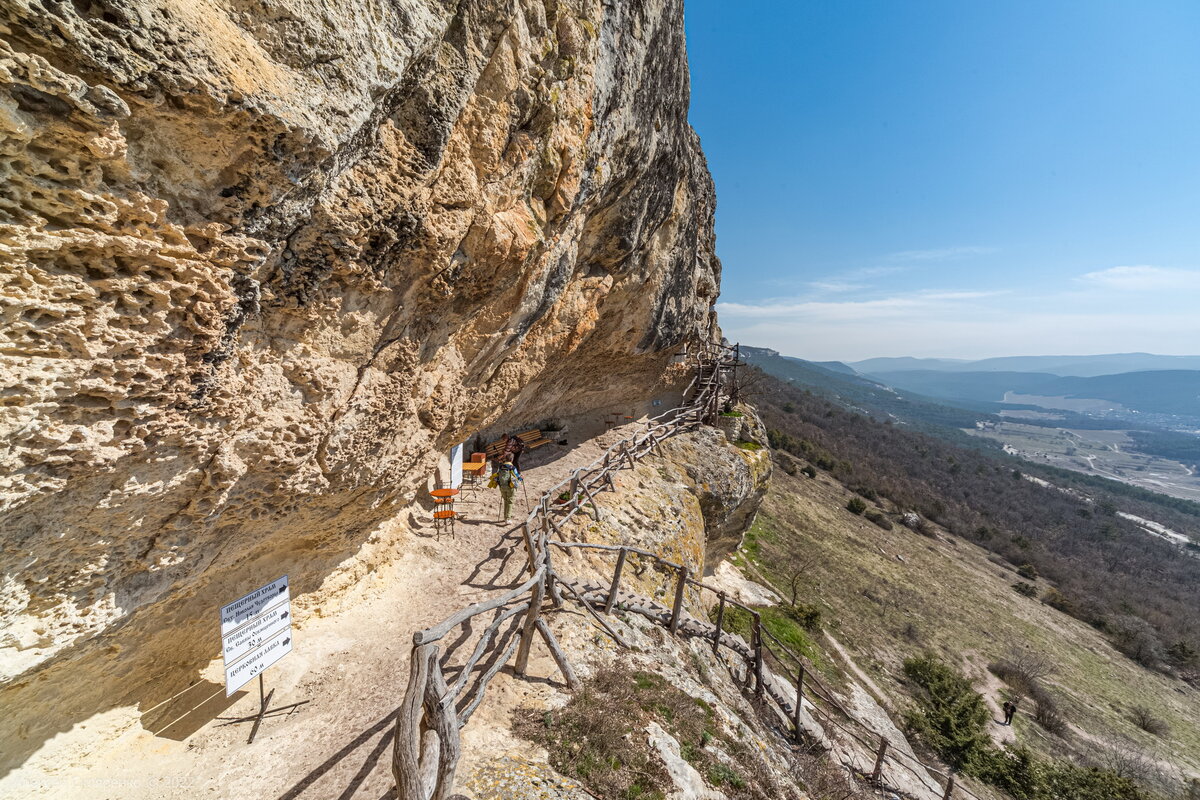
{"points": [[856, 505], [879, 519], [1028, 572], [951, 717], [1056, 599], [749, 446], [809, 616], [809, 471], [1027, 589]]}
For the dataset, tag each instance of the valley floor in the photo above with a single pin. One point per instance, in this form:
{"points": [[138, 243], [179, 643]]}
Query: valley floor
{"points": [[1109, 454]]}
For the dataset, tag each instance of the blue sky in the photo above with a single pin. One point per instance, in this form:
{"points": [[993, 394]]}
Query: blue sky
{"points": [[953, 178]]}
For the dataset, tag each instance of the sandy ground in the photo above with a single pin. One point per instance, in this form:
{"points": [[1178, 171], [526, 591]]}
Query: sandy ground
{"points": [[349, 667]]}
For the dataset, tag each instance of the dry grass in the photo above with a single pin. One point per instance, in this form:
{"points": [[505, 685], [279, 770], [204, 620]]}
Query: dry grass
{"points": [[599, 739], [945, 595]]}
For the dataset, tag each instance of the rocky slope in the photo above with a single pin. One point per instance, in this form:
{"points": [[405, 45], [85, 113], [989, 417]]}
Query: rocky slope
{"points": [[260, 264]]}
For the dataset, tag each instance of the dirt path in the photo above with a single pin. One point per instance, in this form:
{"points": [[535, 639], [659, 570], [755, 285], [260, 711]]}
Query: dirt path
{"points": [[350, 663]]}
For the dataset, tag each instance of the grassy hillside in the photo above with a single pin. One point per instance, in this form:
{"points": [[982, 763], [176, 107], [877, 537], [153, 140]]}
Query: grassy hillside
{"points": [[1140, 591], [888, 595]]}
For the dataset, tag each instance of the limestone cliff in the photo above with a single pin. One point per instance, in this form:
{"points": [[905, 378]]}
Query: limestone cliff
{"points": [[261, 263]]}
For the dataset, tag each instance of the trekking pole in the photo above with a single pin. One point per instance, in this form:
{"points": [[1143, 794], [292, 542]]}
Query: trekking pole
{"points": [[526, 491]]}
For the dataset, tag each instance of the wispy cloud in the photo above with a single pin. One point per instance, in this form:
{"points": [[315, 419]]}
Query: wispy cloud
{"points": [[940, 254], [907, 305], [837, 286], [1144, 278]]}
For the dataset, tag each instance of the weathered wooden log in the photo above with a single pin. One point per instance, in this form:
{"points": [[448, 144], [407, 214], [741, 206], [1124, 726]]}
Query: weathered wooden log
{"points": [[591, 611], [551, 583], [799, 702], [528, 537], [485, 639], [758, 655], [877, 772], [677, 608], [595, 507], [720, 621], [535, 608], [560, 657], [439, 707], [441, 629], [406, 754], [431, 753], [481, 687], [616, 581]]}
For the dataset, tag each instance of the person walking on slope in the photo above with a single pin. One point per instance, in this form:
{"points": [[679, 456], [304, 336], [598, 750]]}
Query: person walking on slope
{"points": [[506, 479], [512, 451], [1010, 709]]}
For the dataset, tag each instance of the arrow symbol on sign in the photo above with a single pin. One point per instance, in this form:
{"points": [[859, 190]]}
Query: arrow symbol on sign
{"points": [[283, 588], [285, 641], [284, 615]]}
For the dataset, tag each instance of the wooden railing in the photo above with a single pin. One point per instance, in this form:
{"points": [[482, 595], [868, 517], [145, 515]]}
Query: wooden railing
{"points": [[426, 748], [764, 658]]}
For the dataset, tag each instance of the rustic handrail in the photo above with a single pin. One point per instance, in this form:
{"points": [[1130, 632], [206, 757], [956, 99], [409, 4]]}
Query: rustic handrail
{"points": [[751, 652], [426, 747]]}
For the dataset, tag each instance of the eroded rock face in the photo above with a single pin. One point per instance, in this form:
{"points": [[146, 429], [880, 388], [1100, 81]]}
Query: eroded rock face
{"points": [[260, 263], [727, 468]]}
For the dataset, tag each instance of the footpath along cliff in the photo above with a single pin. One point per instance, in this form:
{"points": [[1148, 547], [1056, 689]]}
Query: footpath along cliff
{"points": [[262, 264]]}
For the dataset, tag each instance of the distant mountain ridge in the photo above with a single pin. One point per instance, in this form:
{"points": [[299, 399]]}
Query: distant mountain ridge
{"points": [[1175, 392], [1063, 366]]}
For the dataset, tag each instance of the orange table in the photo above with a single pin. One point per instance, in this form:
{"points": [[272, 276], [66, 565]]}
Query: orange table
{"points": [[473, 472]]}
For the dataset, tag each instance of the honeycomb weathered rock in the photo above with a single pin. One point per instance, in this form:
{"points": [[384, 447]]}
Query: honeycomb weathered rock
{"points": [[260, 264]]}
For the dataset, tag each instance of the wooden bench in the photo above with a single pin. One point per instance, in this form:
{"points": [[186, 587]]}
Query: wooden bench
{"points": [[533, 439]]}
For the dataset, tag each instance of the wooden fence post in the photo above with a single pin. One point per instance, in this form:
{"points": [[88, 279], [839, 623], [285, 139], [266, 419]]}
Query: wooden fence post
{"points": [[531, 618], [758, 655], [877, 773], [406, 748], [528, 546], [560, 658], [439, 707], [799, 701], [949, 788], [616, 581], [678, 607], [720, 620]]}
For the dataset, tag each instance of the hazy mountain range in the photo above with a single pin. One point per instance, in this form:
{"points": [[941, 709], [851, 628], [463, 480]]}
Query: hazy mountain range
{"points": [[1063, 366], [1151, 395]]}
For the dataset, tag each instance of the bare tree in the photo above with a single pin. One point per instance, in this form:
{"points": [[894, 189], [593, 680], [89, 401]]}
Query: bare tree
{"points": [[796, 574]]}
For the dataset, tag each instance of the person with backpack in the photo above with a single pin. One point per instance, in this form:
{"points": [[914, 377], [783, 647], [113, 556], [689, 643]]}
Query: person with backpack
{"points": [[512, 451], [506, 478]]}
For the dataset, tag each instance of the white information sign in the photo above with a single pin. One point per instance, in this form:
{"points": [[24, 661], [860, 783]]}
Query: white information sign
{"points": [[255, 633], [240, 611], [242, 672]]}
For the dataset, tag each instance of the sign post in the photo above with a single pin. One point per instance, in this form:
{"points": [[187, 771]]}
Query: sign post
{"points": [[256, 631]]}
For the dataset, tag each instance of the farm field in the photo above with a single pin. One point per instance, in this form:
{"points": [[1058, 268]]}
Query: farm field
{"points": [[1105, 453]]}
